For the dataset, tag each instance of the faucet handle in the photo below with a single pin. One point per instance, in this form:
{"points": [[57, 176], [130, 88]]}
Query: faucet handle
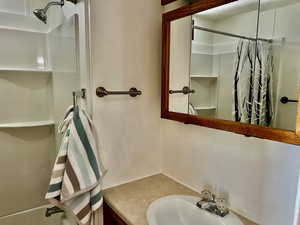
{"points": [[222, 207], [207, 195]]}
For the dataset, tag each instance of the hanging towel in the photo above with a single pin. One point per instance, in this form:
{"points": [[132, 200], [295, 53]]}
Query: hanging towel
{"points": [[75, 185]]}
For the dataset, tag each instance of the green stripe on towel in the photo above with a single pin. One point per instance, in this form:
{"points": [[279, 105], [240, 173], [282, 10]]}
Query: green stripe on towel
{"points": [[85, 141], [96, 198], [55, 187]]}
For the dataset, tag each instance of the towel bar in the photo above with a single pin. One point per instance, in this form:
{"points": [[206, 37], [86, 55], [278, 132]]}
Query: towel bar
{"points": [[285, 100], [102, 92], [185, 91]]}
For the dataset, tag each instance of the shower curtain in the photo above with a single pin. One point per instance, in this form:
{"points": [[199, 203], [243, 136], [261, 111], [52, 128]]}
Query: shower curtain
{"points": [[253, 91]]}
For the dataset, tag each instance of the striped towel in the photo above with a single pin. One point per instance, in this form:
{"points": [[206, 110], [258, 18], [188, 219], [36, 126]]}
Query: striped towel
{"points": [[75, 184]]}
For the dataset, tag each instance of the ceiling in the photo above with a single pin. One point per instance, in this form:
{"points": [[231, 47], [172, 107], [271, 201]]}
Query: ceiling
{"points": [[243, 6]]}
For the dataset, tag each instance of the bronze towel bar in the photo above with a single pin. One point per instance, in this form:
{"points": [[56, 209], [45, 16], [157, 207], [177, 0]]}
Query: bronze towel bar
{"points": [[285, 100], [102, 92], [185, 91]]}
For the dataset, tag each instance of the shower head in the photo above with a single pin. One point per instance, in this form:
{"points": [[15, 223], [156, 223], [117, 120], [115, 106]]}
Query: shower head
{"points": [[41, 14]]}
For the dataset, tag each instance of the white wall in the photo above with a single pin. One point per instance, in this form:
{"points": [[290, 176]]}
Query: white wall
{"points": [[126, 45], [260, 176]]}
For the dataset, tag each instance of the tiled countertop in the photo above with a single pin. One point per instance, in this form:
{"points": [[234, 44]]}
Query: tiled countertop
{"points": [[131, 201]]}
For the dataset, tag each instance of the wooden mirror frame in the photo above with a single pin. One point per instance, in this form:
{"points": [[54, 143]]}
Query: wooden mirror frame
{"points": [[280, 135], [165, 2]]}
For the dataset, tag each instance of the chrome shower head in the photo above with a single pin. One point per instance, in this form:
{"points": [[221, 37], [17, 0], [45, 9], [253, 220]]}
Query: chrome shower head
{"points": [[41, 14]]}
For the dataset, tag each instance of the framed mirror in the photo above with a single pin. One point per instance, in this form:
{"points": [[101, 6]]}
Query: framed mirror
{"points": [[165, 2], [234, 65]]}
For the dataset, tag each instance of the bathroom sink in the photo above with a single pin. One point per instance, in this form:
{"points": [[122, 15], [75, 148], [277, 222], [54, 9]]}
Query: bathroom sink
{"points": [[182, 210]]}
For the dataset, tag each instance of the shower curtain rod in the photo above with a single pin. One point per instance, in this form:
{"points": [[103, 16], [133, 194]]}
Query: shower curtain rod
{"points": [[231, 35]]}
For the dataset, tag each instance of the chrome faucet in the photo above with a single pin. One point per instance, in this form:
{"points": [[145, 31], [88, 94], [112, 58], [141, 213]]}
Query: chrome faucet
{"points": [[210, 203]]}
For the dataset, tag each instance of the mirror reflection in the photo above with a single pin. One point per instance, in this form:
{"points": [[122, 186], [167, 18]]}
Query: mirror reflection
{"points": [[238, 62]]}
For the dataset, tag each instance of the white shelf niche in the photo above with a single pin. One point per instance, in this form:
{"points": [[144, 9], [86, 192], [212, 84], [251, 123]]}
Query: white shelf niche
{"points": [[203, 76], [27, 124], [25, 93], [21, 49], [205, 108]]}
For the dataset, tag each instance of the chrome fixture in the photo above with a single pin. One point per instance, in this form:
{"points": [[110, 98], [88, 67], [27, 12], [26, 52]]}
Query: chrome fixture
{"points": [[185, 90], [41, 14], [102, 92], [210, 203]]}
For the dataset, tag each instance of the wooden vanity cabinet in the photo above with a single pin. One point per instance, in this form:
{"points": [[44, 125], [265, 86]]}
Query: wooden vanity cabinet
{"points": [[110, 217]]}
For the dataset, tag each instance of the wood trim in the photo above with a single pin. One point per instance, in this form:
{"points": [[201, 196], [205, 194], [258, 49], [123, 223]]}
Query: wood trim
{"points": [[196, 7], [165, 2], [166, 29], [286, 136], [110, 217]]}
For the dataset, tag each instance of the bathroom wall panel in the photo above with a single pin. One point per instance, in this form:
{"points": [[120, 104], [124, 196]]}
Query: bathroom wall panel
{"points": [[21, 49], [205, 92], [201, 64], [26, 161], [13, 6], [64, 49], [126, 51], [27, 154], [63, 46], [26, 96], [21, 7]]}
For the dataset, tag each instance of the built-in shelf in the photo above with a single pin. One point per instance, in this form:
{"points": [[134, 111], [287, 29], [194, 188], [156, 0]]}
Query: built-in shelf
{"points": [[202, 76], [25, 70], [204, 107], [27, 124]]}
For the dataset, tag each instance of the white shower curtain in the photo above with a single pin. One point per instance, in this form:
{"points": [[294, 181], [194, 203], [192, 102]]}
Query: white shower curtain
{"points": [[252, 91]]}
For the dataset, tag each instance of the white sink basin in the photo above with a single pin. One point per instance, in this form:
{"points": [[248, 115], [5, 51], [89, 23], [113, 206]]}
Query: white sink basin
{"points": [[182, 210]]}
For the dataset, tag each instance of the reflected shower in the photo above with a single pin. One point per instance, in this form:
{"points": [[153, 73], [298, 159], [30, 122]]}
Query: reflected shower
{"points": [[41, 14]]}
